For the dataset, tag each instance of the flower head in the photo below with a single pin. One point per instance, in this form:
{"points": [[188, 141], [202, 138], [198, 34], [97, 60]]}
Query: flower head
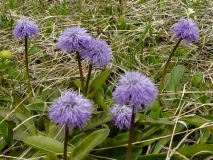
{"points": [[122, 116], [186, 29], [97, 52], [70, 109], [136, 89], [73, 39], [25, 27], [5, 54]]}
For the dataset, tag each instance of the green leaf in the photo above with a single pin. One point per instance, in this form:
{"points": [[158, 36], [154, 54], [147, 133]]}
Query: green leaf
{"points": [[120, 139], [120, 153], [46, 144], [2, 144], [155, 110], [51, 156], [160, 72], [23, 115], [6, 111], [99, 100], [89, 158], [76, 140], [143, 119], [78, 84], [84, 148], [194, 149], [162, 142], [98, 82], [205, 99], [10, 133], [196, 120], [28, 43], [207, 117], [161, 156], [140, 43], [205, 134], [197, 79], [125, 136], [49, 27], [52, 130], [96, 120], [37, 105], [158, 133], [20, 134], [150, 130], [156, 121], [177, 73], [3, 129], [110, 142], [32, 50]]}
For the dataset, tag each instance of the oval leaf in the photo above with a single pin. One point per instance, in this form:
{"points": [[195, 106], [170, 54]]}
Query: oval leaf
{"points": [[98, 82], [194, 149], [161, 156], [46, 144], [120, 153], [96, 120], [84, 148], [51, 156]]}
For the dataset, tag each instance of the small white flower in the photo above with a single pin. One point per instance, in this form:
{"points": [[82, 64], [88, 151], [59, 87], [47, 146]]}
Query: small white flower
{"points": [[190, 11]]}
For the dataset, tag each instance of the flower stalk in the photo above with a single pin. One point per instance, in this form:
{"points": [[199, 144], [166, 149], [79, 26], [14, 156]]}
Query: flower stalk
{"points": [[27, 71], [88, 78], [166, 66], [131, 131], [66, 142], [81, 73]]}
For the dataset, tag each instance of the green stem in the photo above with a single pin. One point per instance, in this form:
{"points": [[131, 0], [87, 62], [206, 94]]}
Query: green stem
{"points": [[166, 66], [88, 78], [131, 130], [66, 141], [81, 73], [2, 70], [27, 72]]}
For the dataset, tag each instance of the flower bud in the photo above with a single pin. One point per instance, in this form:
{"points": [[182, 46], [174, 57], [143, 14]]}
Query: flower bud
{"points": [[5, 54]]}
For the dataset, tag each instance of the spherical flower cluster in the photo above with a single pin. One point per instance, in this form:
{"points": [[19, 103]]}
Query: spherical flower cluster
{"points": [[71, 109], [136, 89], [122, 116], [24, 28], [97, 52], [73, 39], [186, 29], [5, 54]]}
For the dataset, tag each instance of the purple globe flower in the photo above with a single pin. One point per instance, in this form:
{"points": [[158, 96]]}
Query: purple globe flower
{"points": [[71, 109], [73, 39], [136, 89], [97, 52], [186, 29], [25, 27], [122, 116]]}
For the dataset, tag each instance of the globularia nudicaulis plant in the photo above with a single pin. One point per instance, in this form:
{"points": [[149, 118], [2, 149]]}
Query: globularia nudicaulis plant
{"points": [[115, 106], [24, 30]]}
